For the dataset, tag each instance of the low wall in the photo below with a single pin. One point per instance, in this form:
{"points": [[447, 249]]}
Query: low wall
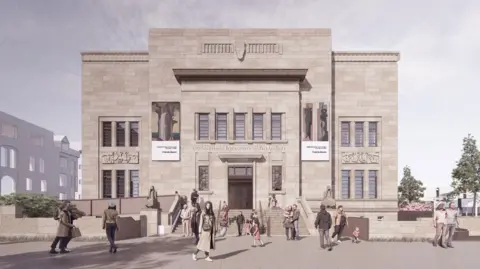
{"points": [[12, 225]]}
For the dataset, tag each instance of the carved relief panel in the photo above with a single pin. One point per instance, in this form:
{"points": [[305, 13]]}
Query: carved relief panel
{"points": [[308, 122], [119, 157], [322, 126], [360, 158]]}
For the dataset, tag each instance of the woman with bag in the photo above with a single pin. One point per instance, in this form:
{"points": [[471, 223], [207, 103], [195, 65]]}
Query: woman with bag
{"points": [[196, 213], [207, 230], [110, 225], [65, 226]]}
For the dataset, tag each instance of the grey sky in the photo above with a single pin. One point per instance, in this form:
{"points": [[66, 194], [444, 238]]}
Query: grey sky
{"points": [[41, 41]]}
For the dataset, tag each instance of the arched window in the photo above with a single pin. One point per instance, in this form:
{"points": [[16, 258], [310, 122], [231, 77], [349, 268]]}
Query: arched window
{"points": [[7, 185]]}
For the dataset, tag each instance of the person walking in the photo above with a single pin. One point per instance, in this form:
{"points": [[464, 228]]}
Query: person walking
{"points": [[207, 230], [323, 223], [194, 197], [57, 216], [240, 219], [65, 227], [110, 225], [256, 234], [288, 222], [223, 220], [439, 219], [340, 222], [195, 220], [451, 219], [185, 215], [296, 220]]}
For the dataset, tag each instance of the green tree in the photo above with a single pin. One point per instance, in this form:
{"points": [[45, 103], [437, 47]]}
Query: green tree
{"points": [[410, 189], [466, 175]]}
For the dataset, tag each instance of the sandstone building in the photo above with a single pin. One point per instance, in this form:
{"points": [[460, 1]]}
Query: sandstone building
{"points": [[240, 114]]}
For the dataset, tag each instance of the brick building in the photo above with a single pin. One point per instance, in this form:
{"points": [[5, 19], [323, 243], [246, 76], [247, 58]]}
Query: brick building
{"points": [[240, 114]]}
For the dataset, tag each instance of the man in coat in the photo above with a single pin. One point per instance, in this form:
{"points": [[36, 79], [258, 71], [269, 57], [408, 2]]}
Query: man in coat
{"points": [[65, 226], [240, 221], [323, 223], [296, 219]]}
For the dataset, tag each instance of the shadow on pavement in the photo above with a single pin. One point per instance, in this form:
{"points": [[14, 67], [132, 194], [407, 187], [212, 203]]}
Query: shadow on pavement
{"points": [[229, 254], [139, 255]]}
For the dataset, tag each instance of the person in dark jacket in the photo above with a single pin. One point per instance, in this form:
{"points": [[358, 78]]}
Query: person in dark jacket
{"points": [[240, 221], [195, 221], [194, 196], [323, 223]]}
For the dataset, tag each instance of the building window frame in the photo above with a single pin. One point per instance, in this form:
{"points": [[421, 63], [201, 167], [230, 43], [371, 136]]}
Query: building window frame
{"points": [[221, 126], [8, 130], [31, 164], [107, 184], [41, 165], [134, 133], [373, 184], [203, 177], [107, 138], [62, 182], [345, 133], [120, 133], [359, 134], [134, 181], [276, 126], [258, 122], [43, 185], [120, 182], [359, 184], [345, 191], [203, 132], [28, 184], [373, 134], [240, 126]]}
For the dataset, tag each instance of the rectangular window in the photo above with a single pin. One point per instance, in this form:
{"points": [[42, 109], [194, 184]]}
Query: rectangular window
{"points": [[359, 134], [63, 180], [29, 184], [257, 126], [63, 162], [37, 140], [345, 184], [221, 126], [120, 133], [31, 166], [3, 157], [372, 184], [276, 123], [134, 183], [13, 158], [359, 184], [120, 177], [345, 133], [43, 186], [239, 126], [134, 127], [372, 134], [8, 130], [277, 177], [41, 165], [203, 178], [106, 134], [203, 126], [106, 183]]}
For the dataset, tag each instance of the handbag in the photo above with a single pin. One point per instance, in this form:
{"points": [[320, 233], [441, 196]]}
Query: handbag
{"points": [[76, 232]]}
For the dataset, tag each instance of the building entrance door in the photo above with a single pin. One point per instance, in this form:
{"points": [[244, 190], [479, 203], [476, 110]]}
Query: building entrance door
{"points": [[240, 187]]}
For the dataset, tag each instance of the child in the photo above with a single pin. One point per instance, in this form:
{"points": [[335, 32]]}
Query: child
{"points": [[246, 227], [356, 234], [256, 235]]}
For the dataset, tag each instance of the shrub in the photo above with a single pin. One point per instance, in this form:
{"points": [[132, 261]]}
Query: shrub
{"points": [[37, 205]]}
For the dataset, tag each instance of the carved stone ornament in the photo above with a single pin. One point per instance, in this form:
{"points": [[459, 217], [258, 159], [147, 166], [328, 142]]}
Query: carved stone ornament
{"points": [[327, 200], [119, 157], [360, 158]]}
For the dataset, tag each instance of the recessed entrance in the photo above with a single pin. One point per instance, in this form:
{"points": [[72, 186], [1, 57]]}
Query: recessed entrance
{"points": [[240, 187]]}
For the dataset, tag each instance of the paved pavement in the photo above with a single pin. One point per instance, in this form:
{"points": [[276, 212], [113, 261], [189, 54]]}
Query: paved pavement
{"points": [[234, 252]]}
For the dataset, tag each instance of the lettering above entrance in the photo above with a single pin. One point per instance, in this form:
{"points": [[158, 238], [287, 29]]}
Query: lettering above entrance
{"points": [[119, 157], [360, 158]]}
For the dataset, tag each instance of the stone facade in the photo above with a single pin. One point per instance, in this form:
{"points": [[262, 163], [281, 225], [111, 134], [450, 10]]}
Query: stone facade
{"points": [[246, 71]]}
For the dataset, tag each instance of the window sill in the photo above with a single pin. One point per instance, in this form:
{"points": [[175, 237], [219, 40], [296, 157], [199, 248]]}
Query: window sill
{"points": [[283, 192], [205, 192], [242, 141]]}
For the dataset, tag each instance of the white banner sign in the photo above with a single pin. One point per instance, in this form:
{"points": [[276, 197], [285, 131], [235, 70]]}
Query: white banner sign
{"points": [[165, 150], [315, 151]]}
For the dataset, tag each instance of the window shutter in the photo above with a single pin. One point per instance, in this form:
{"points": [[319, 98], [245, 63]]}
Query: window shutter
{"points": [[221, 126], [239, 126], [203, 127], [257, 126], [276, 126]]}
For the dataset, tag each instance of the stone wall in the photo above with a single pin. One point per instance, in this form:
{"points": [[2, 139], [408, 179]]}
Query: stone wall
{"points": [[12, 225]]}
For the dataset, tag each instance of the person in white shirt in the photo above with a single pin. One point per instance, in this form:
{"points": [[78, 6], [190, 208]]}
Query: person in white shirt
{"points": [[439, 219], [451, 223], [185, 215]]}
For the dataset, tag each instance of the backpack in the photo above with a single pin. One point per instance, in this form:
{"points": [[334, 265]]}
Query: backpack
{"points": [[207, 223]]}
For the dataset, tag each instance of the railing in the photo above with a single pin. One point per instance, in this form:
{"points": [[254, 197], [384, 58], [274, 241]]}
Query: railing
{"points": [[175, 212], [307, 214]]}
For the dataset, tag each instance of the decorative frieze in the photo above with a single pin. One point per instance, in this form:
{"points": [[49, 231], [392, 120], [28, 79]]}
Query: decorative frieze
{"points": [[360, 157], [119, 157], [217, 48], [250, 48]]}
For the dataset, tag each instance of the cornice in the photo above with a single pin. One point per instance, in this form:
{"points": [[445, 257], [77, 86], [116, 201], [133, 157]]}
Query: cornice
{"points": [[115, 56], [365, 56]]}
